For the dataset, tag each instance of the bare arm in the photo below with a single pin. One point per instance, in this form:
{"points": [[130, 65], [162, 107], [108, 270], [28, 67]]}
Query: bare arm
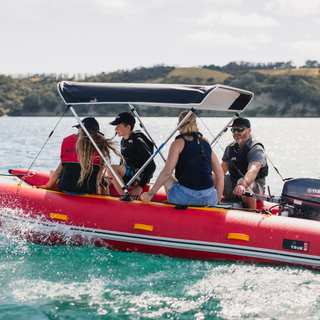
{"points": [[219, 175], [55, 177], [166, 173], [249, 177], [252, 173], [136, 191], [224, 166]]}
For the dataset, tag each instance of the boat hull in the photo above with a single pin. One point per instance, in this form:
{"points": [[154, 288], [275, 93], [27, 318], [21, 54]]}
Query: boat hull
{"points": [[52, 217]]}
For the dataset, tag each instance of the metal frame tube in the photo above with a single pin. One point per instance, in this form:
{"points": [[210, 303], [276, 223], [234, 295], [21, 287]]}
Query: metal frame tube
{"points": [[145, 129], [163, 144], [224, 129], [99, 151]]}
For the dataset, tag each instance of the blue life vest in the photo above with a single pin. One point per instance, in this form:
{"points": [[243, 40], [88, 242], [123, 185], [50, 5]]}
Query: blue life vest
{"points": [[193, 169]]}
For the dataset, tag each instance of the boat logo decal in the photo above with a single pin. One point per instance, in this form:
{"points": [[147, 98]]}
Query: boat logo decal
{"points": [[310, 190], [295, 245], [72, 150]]}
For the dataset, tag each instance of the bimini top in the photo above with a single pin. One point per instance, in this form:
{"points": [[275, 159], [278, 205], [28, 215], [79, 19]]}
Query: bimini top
{"points": [[217, 97]]}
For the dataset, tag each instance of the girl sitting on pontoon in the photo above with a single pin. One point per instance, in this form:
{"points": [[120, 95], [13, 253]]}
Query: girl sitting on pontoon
{"points": [[194, 161], [81, 169]]}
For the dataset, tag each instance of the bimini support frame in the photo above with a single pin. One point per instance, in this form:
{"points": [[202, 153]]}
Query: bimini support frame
{"points": [[124, 188], [192, 110], [225, 128], [133, 110]]}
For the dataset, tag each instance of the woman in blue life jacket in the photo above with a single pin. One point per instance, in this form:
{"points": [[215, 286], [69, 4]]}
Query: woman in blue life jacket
{"points": [[194, 161], [81, 169]]}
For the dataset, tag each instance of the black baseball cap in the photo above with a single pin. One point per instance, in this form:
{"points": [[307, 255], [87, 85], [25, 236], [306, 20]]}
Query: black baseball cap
{"points": [[90, 124], [241, 122], [123, 117]]}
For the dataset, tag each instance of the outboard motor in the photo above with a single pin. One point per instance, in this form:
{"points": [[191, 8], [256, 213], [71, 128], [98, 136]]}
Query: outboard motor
{"points": [[301, 199]]}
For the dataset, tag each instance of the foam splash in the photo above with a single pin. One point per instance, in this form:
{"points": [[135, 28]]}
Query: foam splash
{"points": [[21, 225], [78, 281]]}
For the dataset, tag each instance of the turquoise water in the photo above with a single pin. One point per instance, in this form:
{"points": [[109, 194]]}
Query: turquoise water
{"points": [[68, 282]]}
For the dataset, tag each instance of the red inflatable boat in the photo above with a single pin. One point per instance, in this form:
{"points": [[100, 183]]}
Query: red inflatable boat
{"points": [[226, 231]]}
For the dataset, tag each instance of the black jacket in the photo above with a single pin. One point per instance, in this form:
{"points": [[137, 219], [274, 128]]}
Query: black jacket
{"points": [[136, 152]]}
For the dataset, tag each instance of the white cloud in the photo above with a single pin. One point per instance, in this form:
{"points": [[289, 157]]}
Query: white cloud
{"points": [[263, 38], [208, 38], [113, 4], [305, 47], [130, 7], [297, 7], [225, 1], [270, 6], [230, 18]]}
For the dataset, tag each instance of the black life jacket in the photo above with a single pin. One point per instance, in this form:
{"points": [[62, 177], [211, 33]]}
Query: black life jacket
{"points": [[238, 161], [197, 137], [71, 169], [130, 142]]}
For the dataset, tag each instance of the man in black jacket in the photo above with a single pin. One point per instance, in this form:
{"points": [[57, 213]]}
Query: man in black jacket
{"points": [[135, 148], [246, 162]]}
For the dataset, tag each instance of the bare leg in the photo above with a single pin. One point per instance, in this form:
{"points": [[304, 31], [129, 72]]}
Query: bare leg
{"points": [[249, 202], [104, 190], [120, 171]]}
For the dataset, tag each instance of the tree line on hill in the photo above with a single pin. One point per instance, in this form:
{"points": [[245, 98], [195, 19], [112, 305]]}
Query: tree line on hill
{"points": [[244, 65], [288, 94]]}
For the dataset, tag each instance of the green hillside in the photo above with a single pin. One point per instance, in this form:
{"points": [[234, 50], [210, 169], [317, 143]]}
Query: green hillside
{"points": [[188, 75], [278, 92], [307, 72]]}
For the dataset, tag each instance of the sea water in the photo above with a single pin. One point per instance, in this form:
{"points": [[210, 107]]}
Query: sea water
{"points": [[69, 282]]}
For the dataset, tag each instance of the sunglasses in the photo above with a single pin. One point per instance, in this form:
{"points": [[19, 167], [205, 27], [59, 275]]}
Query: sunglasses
{"points": [[241, 129]]}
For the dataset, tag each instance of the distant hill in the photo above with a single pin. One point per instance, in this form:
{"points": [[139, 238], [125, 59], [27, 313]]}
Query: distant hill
{"points": [[308, 72], [211, 76], [279, 91]]}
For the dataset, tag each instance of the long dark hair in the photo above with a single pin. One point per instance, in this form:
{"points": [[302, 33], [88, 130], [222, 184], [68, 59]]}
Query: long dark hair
{"points": [[86, 153]]}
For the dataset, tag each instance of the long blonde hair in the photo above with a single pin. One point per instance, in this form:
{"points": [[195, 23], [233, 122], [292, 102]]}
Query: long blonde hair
{"points": [[190, 126], [86, 153]]}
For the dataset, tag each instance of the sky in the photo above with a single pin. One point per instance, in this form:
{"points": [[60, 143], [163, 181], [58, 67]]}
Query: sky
{"points": [[94, 36]]}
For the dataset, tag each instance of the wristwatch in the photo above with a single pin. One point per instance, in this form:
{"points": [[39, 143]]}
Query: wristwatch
{"points": [[151, 193]]}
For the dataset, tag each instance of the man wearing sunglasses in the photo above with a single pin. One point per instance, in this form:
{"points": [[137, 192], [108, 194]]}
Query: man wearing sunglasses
{"points": [[246, 162]]}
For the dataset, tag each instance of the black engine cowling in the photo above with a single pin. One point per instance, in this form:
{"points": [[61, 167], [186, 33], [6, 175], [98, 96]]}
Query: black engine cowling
{"points": [[301, 198]]}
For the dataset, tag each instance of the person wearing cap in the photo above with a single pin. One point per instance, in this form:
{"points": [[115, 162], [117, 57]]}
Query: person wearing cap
{"points": [[246, 162], [135, 151], [81, 169]]}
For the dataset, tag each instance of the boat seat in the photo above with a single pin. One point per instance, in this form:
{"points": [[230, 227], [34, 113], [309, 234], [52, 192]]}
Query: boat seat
{"points": [[230, 204], [234, 203]]}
